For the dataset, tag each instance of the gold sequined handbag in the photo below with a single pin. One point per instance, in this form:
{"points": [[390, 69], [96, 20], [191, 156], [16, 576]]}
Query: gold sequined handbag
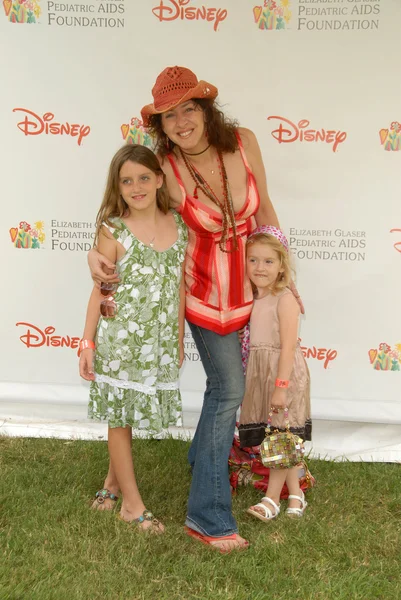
{"points": [[281, 449]]}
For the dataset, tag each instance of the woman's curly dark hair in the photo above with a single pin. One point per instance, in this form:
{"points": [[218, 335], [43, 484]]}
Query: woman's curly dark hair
{"points": [[220, 129]]}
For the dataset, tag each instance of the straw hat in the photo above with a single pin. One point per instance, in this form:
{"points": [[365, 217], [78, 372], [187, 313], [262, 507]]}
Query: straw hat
{"points": [[173, 86]]}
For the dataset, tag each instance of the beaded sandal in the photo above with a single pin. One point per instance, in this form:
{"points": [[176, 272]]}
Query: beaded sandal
{"points": [[154, 527], [103, 495]]}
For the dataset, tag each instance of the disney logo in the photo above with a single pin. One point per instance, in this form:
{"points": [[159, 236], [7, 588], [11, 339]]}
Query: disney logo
{"points": [[33, 124], [397, 245], [35, 337], [290, 132], [179, 9], [319, 354]]}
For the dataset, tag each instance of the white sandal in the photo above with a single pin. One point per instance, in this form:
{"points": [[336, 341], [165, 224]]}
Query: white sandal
{"points": [[297, 512], [269, 515]]}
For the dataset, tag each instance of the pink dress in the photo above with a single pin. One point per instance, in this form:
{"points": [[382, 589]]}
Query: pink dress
{"points": [[261, 375]]}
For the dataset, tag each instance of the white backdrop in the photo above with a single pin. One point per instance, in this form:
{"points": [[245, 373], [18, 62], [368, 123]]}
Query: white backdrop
{"points": [[319, 82]]}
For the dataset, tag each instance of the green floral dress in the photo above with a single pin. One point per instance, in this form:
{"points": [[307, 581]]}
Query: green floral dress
{"points": [[137, 352]]}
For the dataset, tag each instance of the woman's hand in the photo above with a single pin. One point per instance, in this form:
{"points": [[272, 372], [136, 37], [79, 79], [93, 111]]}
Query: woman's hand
{"points": [[297, 296], [86, 364], [102, 269], [241, 333]]}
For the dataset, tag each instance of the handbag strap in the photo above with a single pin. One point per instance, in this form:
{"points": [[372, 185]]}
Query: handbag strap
{"points": [[245, 345], [286, 420]]}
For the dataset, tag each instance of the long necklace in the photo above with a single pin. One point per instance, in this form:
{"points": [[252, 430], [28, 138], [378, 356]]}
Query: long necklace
{"points": [[226, 207]]}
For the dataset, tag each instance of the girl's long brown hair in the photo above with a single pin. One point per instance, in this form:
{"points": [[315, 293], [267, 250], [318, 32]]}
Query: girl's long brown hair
{"points": [[219, 128], [113, 204]]}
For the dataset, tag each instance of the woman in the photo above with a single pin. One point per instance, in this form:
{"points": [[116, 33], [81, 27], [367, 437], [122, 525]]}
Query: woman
{"points": [[216, 180]]}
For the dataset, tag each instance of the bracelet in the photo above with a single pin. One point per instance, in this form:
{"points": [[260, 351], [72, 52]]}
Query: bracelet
{"points": [[84, 344], [282, 383]]}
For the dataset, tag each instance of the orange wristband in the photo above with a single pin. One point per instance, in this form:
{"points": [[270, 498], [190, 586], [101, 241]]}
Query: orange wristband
{"points": [[282, 383], [84, 344]]}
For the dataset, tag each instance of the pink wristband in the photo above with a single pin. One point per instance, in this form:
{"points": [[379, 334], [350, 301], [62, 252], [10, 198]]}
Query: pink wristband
{"points": [[84, 344], [282, 383]]}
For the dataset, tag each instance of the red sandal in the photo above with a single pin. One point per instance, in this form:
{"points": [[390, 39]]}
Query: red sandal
{"points": [[208, 540]]}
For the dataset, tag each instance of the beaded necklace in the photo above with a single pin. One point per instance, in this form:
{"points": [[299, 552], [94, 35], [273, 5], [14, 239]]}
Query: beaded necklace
{"points": [[226, 207]]}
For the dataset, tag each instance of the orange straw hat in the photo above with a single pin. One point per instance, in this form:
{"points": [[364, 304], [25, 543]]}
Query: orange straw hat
{"points": [[173, 86]]}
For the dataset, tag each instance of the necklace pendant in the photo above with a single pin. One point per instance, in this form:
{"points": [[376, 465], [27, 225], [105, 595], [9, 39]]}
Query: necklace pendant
{"points": [[151, 244], [212, 172]]}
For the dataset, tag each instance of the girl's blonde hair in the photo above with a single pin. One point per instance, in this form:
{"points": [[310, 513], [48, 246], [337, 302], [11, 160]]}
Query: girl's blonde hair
{"points": [[283, 279], [113, 204]]}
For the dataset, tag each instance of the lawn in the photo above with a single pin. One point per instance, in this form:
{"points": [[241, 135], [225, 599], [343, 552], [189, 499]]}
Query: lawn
{"points": [[53, 547]]}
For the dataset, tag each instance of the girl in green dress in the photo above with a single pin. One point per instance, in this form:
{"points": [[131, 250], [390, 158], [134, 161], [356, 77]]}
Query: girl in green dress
{"points": [[132, 346]]}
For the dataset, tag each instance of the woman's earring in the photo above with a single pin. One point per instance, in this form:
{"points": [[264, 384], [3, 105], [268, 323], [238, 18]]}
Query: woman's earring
{"points": [[168, 144]]}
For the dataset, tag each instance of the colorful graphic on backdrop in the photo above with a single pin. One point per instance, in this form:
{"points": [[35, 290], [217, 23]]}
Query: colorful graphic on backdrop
{"points": [[25, 236], [170, 10], [36, 337], [291, 132], [390, 139], [274, 14], [385, 358], [135, 133], [22, 11], [397, 245], [33, 124]]}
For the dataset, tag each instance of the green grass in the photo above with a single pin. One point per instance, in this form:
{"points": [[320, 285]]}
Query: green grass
{"points": [[53, 547]]}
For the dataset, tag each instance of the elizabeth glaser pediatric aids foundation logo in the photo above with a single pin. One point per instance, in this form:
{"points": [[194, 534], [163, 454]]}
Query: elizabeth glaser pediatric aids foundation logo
{"points": [[385, 358], [22, 11], [328, 244], [274, 14], [62, 235], [25, 236], [92, 14], [135, 133]]}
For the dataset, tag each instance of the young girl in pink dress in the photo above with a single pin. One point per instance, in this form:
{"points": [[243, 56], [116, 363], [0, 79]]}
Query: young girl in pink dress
{"points": [[277, 376]]}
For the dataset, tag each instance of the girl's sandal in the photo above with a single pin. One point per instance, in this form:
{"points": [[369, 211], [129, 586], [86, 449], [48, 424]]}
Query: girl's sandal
{"points": [[297, 512], [154, 527], [269, 515], [101, 496]]}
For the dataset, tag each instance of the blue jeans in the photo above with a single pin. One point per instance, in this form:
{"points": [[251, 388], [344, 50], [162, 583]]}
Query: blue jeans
{"points": [[209, 504]]}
